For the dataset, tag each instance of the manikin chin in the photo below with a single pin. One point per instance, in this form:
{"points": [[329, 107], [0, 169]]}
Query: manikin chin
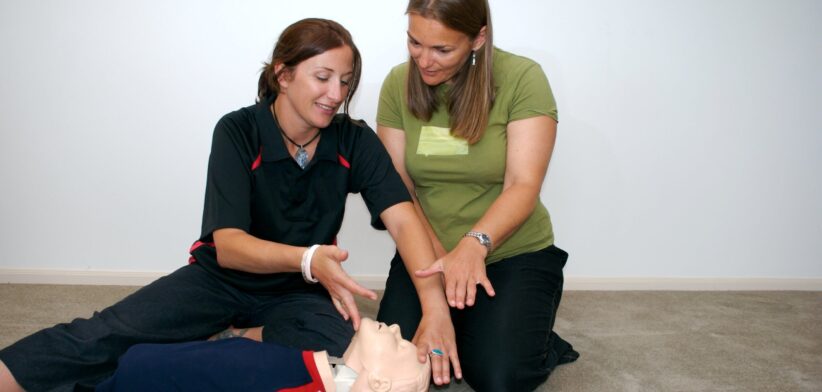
{"points": [[381, 361]]}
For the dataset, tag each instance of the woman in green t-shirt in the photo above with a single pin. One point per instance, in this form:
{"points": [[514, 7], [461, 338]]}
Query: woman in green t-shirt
{"points": [[471, 129]]}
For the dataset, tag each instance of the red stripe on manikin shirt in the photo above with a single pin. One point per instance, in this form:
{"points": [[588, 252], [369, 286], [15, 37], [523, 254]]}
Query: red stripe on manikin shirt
{"points": [[195, 246], [343, 161], [257, 161], [316, 382]]}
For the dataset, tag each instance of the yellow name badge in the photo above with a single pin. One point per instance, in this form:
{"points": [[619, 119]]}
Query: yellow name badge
{"points": [[438, 141]]}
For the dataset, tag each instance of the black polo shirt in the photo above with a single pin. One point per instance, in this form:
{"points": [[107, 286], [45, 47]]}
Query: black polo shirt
{"points": [[256, 186]]}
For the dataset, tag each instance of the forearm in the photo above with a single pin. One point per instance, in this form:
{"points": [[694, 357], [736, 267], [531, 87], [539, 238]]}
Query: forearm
{"points": [[508, 212], [241, 251], [439, 250], [529, 150], [414, 246]]}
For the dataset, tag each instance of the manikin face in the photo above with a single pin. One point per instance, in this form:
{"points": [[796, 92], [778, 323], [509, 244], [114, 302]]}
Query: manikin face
{"points": [[438, 51], [385, 361], [315, 89]]}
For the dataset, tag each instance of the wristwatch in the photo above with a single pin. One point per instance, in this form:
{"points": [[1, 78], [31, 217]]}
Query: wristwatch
{"points": [[483, 239]]}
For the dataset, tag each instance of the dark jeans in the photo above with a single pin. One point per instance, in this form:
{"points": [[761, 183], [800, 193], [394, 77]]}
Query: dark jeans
{"points": [[189, 304], [505, 342]]}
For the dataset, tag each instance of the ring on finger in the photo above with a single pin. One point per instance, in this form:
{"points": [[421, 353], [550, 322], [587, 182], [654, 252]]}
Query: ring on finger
{"points": [[436, 352]]}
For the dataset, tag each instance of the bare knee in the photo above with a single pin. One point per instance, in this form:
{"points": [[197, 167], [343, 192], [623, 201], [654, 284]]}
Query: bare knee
{"points": [[254, 333], [7, 381]]}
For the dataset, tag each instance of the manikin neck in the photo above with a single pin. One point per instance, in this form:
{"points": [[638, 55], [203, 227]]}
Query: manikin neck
{"points": [[337, 378]]}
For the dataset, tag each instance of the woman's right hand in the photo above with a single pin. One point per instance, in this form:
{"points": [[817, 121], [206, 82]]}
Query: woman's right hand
{"points": [[326, 267], [463, 269], [436, 331]]}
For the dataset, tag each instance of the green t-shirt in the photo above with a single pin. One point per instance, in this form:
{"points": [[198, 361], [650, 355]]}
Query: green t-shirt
{"points": [[456, 182]]}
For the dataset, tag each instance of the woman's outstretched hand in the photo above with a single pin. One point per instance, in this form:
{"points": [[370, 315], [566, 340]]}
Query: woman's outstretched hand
{"points": [[326, 267], [435, 339], [463, 269]]}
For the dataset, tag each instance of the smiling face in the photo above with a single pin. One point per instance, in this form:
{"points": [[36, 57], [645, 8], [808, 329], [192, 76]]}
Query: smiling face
{"points": [[313, 91], [438, 51]]}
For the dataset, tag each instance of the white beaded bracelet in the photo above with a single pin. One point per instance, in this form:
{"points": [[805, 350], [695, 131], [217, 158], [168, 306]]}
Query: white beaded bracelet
{"points": [[305, 264]]}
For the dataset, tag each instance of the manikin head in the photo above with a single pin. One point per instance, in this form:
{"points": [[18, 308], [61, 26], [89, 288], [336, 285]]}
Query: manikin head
{"points": [[384, 361]]}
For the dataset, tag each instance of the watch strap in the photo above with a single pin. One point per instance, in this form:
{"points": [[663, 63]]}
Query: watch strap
{"points": [[483, 239]]}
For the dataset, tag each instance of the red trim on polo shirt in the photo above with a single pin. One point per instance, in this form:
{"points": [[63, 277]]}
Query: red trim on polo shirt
{"points": [[257, 161], [316, 384], [195, 246], [343, 161]]}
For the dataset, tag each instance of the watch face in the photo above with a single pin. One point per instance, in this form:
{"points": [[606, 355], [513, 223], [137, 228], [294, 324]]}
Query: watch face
{"points": [[483, 239]]}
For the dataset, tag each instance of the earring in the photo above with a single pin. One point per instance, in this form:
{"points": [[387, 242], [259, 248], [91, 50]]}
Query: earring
{"points": [[473, 57]]}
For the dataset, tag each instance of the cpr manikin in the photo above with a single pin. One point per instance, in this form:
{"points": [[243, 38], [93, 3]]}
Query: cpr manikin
{"points": [[377, 360], [384, 361]]}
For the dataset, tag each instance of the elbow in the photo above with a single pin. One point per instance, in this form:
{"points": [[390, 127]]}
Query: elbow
{"points": [[221, 259], [398, 217], [528, 192], [223, 241], [523, 198]]}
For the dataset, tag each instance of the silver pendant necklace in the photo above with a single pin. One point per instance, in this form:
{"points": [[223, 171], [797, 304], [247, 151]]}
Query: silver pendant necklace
{"points": [[301, 157]]}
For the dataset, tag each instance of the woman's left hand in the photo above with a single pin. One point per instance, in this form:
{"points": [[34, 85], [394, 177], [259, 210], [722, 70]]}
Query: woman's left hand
{"points": [[462, 269], [435, 338]]}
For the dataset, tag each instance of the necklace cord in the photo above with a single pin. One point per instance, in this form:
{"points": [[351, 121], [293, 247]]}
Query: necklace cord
{"points": [[301, 157], [276, 121]]}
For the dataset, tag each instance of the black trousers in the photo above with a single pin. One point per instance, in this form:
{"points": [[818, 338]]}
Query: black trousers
{"points": [[189, 304], [505, 342]]}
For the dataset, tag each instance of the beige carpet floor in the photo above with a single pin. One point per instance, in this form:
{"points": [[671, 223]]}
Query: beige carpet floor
{"points": [[629, 340]]}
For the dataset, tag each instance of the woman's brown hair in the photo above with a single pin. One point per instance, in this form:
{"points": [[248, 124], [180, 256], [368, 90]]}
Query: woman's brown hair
{"points": [[300, 41], [471, 95]]}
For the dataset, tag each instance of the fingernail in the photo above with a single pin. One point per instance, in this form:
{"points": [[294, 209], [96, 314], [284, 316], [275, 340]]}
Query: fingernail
{"points": [[458, 375], [438, 380]]}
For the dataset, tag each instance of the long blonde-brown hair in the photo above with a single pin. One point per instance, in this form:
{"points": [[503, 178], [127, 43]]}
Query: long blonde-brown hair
{"points": [[471, 95]]}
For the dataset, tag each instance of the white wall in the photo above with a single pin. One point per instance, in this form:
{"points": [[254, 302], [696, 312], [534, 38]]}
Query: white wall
{"points": [[689, 141]]}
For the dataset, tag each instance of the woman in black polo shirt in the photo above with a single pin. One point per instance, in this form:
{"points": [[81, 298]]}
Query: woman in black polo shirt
{"points": [[278, 176]]}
